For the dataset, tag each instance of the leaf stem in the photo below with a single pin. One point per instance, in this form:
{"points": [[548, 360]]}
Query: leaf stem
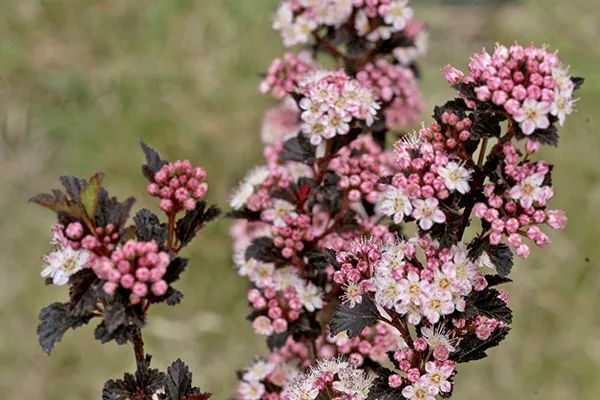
{"points": [[482, 152], [171, 231], [138, 345]]}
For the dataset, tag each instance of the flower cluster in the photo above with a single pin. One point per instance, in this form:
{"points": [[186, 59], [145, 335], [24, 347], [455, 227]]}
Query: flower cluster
{"points": [[179, 186], [395, 86], [427, 176], [331, 102], [431, 288], [529, 83], [334, 378], [325, 237], [136, 266], [284, 74], [265, 378], [514, 207], [450, 133], [298, 20], [359, 167], [116, 271]]}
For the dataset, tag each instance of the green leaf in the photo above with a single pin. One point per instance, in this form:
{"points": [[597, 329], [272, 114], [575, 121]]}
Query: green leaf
{"points": [[354, 319], [90, 193]]}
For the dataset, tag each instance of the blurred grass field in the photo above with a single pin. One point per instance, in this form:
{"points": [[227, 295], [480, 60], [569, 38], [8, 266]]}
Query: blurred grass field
{"points": [[82, 81]]}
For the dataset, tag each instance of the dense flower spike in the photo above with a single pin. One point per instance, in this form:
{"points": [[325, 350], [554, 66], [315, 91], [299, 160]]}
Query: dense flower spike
{"points": [[116, 271], [322, 231]]}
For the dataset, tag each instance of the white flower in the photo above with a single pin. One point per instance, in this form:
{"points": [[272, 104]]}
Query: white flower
{"points": [[240, 195], [418, 391], [246, 189], [258, 371], [312, 109], [302, 388], [259, 273], [339, 122], [533, 115], [280, 209], [331, 365], [437, 337], [310, 296], [262, 325], [398, 14], [437, 304], [361, 23], [427, 213], [529, 190], [251, 390], [456, 177], [283, 17], [437, 377], [286, 277], [412, 288], [484, 260], [257, 176], [407, 55], [562, 79], [318, 130], [388, 291], [354, 383], [395, 204], [64, 262], [352, 294], [562, 105]]}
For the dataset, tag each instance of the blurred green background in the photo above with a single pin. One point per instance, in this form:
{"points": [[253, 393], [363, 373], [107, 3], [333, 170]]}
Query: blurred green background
{"points": [[82, 81]]}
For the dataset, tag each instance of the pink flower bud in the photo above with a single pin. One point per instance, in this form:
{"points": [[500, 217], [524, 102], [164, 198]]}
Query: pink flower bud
{"points": [[395, 381], [140, 289], [74, 230], [453, 75], [109, 288], [127, 281], [159, 288]]}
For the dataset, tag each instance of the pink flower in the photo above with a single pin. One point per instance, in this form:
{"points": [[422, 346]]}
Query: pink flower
{"points": [[427, 213], [529, 190], [533, 115]]}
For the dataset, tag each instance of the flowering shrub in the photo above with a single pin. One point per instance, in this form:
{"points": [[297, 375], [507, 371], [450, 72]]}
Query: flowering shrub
{"points": [[116, 271], [374, 273]]}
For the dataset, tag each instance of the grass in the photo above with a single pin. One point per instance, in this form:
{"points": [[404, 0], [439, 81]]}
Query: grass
{"points": [[82, 81]]}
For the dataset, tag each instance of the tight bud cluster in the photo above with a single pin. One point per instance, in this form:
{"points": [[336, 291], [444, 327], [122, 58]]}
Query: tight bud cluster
{"points": [[179, 186]]}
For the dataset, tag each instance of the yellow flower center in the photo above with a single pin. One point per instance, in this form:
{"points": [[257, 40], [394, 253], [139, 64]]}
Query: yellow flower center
{"points": [[70, 264]]}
